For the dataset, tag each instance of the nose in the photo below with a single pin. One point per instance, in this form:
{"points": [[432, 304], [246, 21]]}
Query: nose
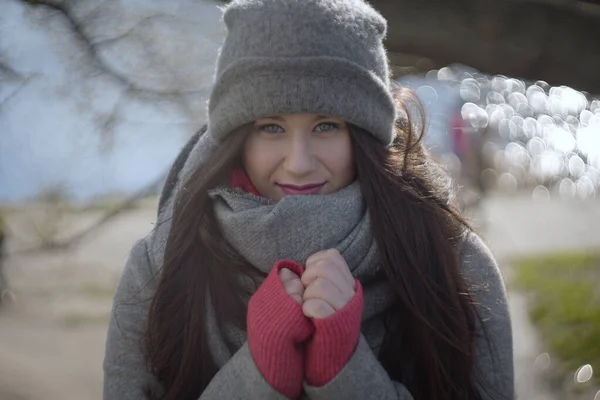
{"points": [[299, 158]]}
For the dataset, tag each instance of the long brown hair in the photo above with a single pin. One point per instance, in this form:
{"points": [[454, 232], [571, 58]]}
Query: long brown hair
{"points": [[430, 332]]}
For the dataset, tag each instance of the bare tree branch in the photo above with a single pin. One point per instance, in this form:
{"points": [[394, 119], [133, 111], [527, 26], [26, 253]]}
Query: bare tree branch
{"points": [[8, 72], [125, 205], [139, 24], [77, 238], [177, 94], [21, 86], [91, 46]]}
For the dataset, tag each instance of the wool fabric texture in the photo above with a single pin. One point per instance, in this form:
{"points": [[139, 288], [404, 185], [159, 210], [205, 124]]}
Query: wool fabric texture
{"points": [[277, 329], [295, 228], [334, 341], [321, 57], [276, 325]]}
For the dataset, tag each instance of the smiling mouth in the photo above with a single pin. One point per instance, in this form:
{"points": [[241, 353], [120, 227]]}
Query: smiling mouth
{"points": [[313, 188]]}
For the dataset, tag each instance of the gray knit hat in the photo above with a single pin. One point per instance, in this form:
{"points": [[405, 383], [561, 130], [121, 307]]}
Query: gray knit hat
{"points": [[302, 56]]}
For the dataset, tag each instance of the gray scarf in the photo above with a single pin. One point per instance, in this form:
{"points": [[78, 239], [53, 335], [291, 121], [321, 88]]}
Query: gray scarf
{"points": [[293, 229]]}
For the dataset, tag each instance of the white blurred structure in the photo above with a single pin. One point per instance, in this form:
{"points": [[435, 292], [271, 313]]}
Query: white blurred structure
{"points": [[525, 134], [97, 97]]}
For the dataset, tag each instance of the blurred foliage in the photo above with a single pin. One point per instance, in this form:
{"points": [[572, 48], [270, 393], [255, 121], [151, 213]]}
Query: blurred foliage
{"points": [[2, 228], [97, 291], [75, 320], [50, 222], [565, 305]]}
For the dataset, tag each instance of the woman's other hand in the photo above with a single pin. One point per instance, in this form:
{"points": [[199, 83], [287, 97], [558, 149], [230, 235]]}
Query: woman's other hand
{"points": [[328, 282]]}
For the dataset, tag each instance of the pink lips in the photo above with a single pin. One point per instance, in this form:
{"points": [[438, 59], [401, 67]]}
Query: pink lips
{"points": [[313, 188]]}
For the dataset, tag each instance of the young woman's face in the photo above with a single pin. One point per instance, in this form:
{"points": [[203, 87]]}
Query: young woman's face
{"points": [[298, 154]]}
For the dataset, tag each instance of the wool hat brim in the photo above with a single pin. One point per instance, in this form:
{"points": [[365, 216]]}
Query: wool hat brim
{"points": [[261, 87]]}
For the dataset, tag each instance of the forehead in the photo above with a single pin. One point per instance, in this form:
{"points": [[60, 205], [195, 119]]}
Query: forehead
{"points": [[297, 117]]}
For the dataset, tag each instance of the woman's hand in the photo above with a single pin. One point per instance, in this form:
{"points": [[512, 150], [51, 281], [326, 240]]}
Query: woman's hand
{"points": [[328, 283]]}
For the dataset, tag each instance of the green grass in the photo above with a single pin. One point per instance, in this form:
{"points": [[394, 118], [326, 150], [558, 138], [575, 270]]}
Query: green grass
{"points": [[565, 305]]}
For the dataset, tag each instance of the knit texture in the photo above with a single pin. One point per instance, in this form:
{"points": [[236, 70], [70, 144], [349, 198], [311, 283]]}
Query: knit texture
{"points": [[333, 341], [276, 329], [302, 56], [296, 227], [331, 345]]}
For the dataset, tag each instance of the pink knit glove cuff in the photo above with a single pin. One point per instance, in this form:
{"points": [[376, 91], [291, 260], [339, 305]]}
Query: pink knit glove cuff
{"points": [[276, 329], [334, 341]]}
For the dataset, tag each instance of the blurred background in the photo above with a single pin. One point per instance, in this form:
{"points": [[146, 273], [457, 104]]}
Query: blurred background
{"points": [[97, 97]]}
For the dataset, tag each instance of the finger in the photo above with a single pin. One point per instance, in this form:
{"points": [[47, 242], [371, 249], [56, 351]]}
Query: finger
{"points": [[330, 254], [341, 263], [322, 269], [323, 289], [286, 275], [317, 256], [297, 298], [294, 287], [338, 261], [315, 308]]}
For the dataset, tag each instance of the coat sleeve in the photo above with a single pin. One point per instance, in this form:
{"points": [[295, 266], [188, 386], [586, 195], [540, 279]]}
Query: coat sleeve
{"points": [[126, 374], [363, 377]]}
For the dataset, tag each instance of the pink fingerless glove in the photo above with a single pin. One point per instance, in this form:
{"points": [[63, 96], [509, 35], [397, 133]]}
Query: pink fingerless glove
{"points": [[277, 329], [334, 341]]}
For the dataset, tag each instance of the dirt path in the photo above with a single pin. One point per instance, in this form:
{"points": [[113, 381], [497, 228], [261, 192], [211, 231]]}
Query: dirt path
{"points": [[52, 339], [43, 359]]}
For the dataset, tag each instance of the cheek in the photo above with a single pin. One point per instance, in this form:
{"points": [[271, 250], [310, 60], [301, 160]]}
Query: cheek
{"points": [[344, 160], [339, 160], [259, 159]]}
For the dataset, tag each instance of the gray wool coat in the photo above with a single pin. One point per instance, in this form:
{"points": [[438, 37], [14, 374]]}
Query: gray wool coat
{"points": [[363, 377]]}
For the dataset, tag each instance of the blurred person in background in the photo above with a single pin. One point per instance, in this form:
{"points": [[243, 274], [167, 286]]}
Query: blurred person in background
{"points": [[306, 245], [448, 137], [444, 136]]}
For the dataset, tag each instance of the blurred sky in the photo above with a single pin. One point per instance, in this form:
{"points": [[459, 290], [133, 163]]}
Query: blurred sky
{"points": [[67, 114], [108, 112]]}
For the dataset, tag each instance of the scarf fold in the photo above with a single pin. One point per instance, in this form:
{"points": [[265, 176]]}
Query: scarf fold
{"points": [[293, 229]]}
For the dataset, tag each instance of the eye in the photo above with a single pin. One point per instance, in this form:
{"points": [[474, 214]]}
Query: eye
{"points": [[325, 127], [270, 128]]}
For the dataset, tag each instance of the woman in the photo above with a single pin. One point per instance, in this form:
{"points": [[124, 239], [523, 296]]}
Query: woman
{"points": [[306, 246]]}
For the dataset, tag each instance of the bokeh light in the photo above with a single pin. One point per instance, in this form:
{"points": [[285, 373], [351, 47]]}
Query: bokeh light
{"points": [[584, 373], [536, 135], [542, 362]]}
